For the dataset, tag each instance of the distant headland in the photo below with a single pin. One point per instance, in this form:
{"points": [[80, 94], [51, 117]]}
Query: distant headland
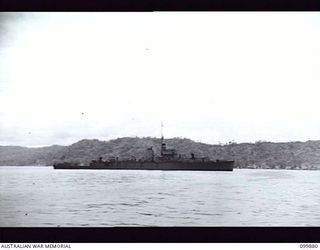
{"points": [[266, 155]]}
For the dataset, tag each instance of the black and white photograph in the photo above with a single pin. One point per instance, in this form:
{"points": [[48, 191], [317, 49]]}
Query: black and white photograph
{"points": [[159, 119]]}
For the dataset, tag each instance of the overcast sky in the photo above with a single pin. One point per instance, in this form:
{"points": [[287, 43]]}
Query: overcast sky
{"points": [[211, 77]]}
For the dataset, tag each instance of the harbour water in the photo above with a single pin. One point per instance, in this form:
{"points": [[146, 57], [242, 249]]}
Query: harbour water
{"points": [[43, 197]]}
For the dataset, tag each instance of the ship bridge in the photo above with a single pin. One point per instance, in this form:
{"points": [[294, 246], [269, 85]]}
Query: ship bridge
{"points": [[167, 152]]}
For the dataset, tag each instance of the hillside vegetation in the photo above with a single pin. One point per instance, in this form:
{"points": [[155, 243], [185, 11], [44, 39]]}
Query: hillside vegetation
{"points": [[291, 155]]}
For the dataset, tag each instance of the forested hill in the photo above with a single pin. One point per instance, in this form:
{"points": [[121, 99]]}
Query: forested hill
{"points": [[291, 155]]}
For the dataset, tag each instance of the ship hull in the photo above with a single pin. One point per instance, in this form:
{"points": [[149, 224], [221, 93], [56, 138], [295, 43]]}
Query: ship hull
{"points": [[166, 166]]}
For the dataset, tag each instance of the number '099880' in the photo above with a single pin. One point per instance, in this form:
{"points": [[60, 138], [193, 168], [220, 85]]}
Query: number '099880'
{"points": [[308, 245]]}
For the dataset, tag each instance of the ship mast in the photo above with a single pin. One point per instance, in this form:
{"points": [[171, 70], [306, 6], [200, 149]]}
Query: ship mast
{"points": [[161, 130], [162, 140]]}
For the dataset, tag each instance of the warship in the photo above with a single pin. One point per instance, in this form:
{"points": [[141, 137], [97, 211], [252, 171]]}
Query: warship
{"points": [[167, 160]]}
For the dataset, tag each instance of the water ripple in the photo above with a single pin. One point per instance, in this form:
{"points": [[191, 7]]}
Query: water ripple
{"points": [[45, 197]]}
